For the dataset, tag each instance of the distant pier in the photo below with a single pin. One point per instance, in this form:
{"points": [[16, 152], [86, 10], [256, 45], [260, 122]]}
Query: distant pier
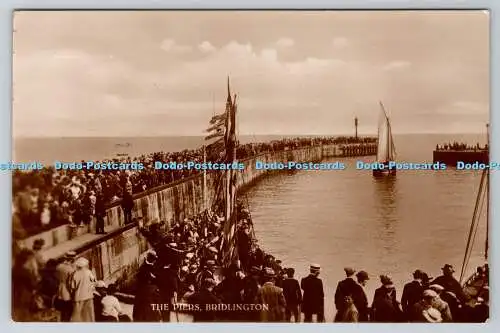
{"points": [[358, 150], [452, 157]]}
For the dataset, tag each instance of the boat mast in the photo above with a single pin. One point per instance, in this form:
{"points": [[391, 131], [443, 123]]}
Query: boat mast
{"points": [[486, 247], [389, 134]]}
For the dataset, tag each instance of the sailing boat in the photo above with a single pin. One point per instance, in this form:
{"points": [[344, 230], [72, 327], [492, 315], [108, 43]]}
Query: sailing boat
{"points": [[386, 151]]}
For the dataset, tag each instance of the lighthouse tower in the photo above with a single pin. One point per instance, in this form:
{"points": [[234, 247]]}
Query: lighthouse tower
{"points": [[356, 127]]}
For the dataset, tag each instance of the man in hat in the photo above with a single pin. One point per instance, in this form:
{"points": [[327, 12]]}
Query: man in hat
{"points": [[169, 286], [345, 288], [412, 293], [251, 286], [420, 309], [207, 273], [273, 297], [191, 276], [100, 213], [385, 307], [313, 301], [203, 300], [448, 281], [359, 296], [127, 206], [293, 295], [81, 285], [426, 280], [63, 301], [147, 269], [440, 305]]}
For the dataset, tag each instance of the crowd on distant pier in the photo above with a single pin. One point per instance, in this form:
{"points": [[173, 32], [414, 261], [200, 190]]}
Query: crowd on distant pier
{"points": [[456, 146], [184, 267], [46, 198]]}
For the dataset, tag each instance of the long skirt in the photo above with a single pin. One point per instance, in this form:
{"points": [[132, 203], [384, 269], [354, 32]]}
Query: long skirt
{"points": [[83, 311]]}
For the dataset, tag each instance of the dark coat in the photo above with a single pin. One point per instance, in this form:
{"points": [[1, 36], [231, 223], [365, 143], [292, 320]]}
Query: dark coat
{"points": [[360, 302], [127, 202], [412, 293], [449, 283], [345, 288], [385, 307], [168, 282], [147, 294], [292, 292], [313, 300], [100, 207], [200, 300]]}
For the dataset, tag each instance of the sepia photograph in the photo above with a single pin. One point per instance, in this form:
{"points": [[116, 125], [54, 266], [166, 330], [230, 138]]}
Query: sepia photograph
{"points": [[250, 166]]}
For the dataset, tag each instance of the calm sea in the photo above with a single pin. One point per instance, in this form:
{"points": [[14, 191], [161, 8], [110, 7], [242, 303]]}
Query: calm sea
{"points": [[345, 218], [74, 149], [336, 218]]}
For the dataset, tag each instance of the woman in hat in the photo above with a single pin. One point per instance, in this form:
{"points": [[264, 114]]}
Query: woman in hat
{"points": [[385, 307], [82, 286]]}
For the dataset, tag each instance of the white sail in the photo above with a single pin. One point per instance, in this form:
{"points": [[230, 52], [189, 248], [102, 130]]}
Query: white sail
{"points": [[385, 150]]}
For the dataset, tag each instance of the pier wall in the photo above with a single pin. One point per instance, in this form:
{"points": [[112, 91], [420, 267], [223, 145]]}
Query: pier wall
{"points": [[116, 256], [452, 157]]}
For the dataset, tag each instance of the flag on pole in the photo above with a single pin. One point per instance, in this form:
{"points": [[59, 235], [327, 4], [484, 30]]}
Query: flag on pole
{"points": [[229, 241]]}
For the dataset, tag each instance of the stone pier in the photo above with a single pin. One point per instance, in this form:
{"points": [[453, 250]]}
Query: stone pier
{"points": [[116, 255]]}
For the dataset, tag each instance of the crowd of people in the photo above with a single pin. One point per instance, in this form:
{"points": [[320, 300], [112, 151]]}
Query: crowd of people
{"points": [[43, 199], [63, 289], [184, 271], [269, 292], [456, 146]]}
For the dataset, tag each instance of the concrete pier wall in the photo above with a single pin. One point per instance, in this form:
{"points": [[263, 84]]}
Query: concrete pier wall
{"points": [[116, 256]]}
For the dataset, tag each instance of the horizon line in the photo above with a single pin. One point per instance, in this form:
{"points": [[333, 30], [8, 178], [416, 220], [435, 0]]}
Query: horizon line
{"points": [[242, 134]]}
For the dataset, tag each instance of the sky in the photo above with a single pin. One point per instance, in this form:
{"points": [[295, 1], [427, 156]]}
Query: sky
{"points": [[161, 73]]}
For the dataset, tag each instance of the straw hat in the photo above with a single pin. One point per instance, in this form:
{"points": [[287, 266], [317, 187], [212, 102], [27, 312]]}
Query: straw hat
{"points": [[314, 268], [432, 315]]}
